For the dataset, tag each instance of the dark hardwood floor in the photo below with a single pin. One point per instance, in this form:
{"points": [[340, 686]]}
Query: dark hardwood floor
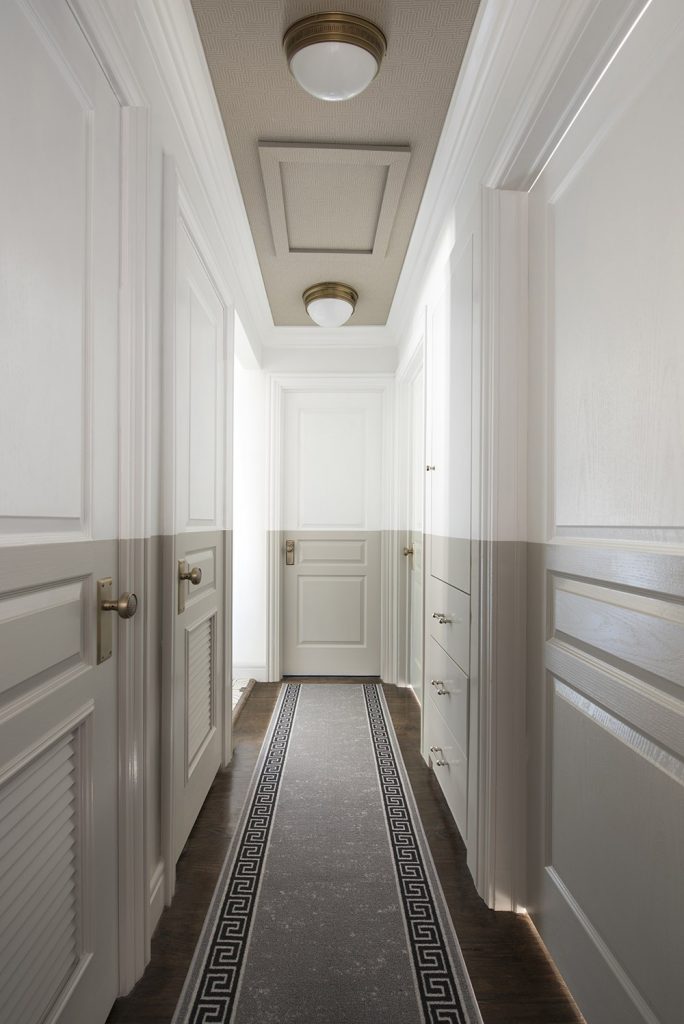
{"points": [[514, 980]]}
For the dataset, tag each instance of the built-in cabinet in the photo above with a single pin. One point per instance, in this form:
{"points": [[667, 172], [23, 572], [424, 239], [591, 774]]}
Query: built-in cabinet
{"points": [[448, 540]]}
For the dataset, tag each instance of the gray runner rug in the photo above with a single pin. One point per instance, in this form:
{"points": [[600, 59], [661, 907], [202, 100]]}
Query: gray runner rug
{"points": [[328, 909]]}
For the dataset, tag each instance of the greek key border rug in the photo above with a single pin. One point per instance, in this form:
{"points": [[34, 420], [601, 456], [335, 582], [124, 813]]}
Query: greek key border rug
{"points": [[328, 909]]}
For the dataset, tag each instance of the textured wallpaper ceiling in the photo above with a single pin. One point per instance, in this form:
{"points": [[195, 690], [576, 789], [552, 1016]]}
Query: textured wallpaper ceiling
{"points": [[332, 210]]}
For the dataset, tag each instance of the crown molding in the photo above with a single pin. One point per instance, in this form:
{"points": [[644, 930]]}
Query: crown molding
{"points": [[550, 52], [488, 55], [582, 42], [172, 35], [103, 36]]}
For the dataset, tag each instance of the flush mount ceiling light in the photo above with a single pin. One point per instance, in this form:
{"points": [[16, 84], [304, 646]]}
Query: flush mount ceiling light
{"points": [[330, 304], [334, 56]]}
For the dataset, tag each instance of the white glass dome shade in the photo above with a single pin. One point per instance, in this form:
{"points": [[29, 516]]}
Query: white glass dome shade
{"points": [[330, 304], [334, 56]]}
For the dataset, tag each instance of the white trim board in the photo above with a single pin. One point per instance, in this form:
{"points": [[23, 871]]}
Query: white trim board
{"points": [[156, 896], [256, 672]]}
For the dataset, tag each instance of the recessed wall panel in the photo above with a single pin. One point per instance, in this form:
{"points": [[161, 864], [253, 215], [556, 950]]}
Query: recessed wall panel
{"points": [[45, 303], [635, 629], [617, 320], [613, 806]]}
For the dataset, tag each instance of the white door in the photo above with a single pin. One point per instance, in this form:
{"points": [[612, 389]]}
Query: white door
{"points": [[198, 336], [59, 264], [415, 533], [449, 413], [606, 572], [331, 474]]}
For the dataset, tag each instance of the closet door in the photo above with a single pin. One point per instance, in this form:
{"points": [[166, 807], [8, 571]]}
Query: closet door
{"points": [[59, 281], [448, 542], [198, 354]]}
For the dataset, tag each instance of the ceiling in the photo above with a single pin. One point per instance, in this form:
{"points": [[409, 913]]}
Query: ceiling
{"points": [[332, 189]]}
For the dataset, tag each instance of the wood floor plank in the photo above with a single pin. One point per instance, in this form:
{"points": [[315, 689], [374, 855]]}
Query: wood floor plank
{"points": [[514, 980]]}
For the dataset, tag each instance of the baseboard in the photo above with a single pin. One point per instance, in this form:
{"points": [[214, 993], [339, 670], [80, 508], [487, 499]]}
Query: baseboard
{"points": [[415, 695], [156, 896], [257, 672], [237, 708]]}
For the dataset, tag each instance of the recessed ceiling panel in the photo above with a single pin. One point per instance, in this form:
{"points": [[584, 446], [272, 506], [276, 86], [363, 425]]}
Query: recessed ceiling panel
{"points": [[332, 199], [332, 208], [335, 216]]}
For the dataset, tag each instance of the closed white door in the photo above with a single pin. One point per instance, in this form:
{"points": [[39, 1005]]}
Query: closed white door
{"points": [[59, 264], [331, 486], [415, 557], [199, 333], [449, 413], [606, 569]]}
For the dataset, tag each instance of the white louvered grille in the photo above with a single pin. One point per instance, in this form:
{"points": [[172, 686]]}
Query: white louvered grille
{"points": [[38, 883], [200, 685]]}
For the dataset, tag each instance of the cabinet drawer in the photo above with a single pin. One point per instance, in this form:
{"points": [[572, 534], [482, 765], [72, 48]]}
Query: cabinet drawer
{"points": [[451, 696], [449, 764], [453, 634], [450, 560]]}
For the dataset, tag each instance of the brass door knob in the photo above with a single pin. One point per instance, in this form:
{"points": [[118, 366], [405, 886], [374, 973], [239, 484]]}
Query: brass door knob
{"points": [[125, 607], [194, 576]]}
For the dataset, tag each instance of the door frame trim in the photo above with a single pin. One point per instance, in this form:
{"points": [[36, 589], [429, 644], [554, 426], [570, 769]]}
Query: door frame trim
{"points": [[177, 207], [279, 385], [134, 461], [406, 376], [583, 37], [496, 797]]}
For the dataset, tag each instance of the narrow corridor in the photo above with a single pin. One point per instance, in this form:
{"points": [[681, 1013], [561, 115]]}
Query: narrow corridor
{"points": [[514, 980]]}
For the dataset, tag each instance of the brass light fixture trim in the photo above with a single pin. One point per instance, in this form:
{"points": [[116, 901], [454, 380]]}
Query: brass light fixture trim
{"points": [[335, 27], [331, 290]]}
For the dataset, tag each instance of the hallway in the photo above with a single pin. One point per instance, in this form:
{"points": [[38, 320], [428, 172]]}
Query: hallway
{"points": [[343, 382], [509, 968]]}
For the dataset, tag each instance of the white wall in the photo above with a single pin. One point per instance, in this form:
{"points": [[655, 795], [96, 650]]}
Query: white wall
{"points": [[250, 571], [602, 542], [606, 497]]}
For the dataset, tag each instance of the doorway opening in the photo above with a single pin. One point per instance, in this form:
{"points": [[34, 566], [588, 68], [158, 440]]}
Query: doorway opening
{"points": [[249, 606]]}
